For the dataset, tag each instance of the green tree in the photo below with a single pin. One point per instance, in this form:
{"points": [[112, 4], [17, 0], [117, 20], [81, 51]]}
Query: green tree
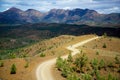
{"points": [[66, 69], [117, 60], [72, 77], [70, 59], [13, 69], [59, 63], [26, 65], [12, 55], [104, 45], [101, 64], [86, 77], [94, 63], [110, 77], [81, 61], [42, 55], [97, 53]]}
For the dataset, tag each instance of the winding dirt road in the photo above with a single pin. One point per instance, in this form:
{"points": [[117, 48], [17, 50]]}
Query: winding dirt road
{"points": [[43, 71]]}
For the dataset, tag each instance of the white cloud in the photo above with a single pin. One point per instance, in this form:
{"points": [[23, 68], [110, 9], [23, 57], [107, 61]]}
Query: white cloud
{"points": [[102, 6], [110, 10]]}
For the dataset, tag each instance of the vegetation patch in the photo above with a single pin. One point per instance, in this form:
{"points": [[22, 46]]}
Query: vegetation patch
{"points": [[13, 69], [82, 68]]}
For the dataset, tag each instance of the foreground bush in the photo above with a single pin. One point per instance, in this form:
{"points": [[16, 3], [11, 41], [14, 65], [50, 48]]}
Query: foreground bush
{"points": [[42, 55], [70, 59], [79, 68], [72, 77], [81, 61], [13, 69], [104, 45], [26, 65], [59, 63], [86, 77]]}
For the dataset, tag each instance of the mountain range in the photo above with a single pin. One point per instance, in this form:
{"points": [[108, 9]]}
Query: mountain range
{"points": [[75, 16]]}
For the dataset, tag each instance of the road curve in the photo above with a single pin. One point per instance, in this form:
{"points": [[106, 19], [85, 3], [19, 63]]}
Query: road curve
{"points": [[43, 71]]}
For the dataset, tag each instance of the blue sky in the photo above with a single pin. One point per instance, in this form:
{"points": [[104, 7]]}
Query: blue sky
{"points": [[102, 6]]}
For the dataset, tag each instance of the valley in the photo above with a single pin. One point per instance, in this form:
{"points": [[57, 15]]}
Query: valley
{"points": [[21, 36]]}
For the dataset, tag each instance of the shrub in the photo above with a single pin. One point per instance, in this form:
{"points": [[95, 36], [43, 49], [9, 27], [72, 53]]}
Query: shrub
{"points": [[59, 63], [70, 59], [66, 69], [72, 77], [13, 69], [42, 55], [24, 55], [97, 73], [26, 65], [110, 77], [117, 60], [86, 77], [1, 64], [12, 55], [94, 63], [104, 45], [101, 64], [81, 61], [97, 53]]}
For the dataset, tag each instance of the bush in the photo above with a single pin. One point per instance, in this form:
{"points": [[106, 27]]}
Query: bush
{"points": [[81, 61], [13, 69], [86, 77], [24, 55], [97, 73], [70, 59], [12, 55], [117, 60], [66, 69], [104, 45], [72, 77], [42, 55], [101, 64], [1, 64], [59, 63], [26, 65], [97, 53], [94, 63], [110, 77]]}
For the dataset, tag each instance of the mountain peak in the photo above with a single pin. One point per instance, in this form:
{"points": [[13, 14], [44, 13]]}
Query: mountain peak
{"points": [[15, 15], [29, 10], [14, 9]]}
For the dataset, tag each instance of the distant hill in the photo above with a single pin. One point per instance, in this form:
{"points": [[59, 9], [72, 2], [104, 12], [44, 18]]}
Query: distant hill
{"points": [[75, 16], [14, 37]]}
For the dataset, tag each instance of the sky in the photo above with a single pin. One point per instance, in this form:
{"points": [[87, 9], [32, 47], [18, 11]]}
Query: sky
{"points": [[102, 6]]}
